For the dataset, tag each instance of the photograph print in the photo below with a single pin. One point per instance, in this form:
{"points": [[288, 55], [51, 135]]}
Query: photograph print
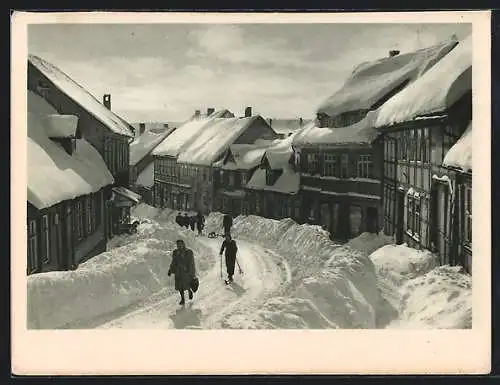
{"points": [[249, 176]]}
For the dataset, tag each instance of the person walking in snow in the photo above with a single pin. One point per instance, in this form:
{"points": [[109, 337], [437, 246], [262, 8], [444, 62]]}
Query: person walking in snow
{"points": [[230, 248], [184, 269], [186, 221], [227, 222], [178, 219], [200, 222], [192, 222]]}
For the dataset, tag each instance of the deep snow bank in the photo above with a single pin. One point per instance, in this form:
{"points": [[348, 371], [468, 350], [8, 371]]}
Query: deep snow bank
{"points": [[132, 270], [424, 294], [332, 286]]}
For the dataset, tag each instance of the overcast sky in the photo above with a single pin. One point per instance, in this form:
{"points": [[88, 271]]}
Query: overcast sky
{"points": [[161, 72]]}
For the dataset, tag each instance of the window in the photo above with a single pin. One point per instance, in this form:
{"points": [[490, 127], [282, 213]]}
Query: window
{"points": [[468, 214], [89, 214], [243, 178], [257, 204], [413, 215], [204, 174], [32, 246], [46, 239], [344, 166], [312, 163], [78, 221], [230, 179], [365, 166], [209, 175], [331, 165], [269, 178]]}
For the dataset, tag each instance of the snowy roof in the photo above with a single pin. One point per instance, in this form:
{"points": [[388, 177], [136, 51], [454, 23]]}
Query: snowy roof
{"points": [[174, 143], [285, 126], [146, 177], [361, 132], [371, 81], [81, 96], [126, 193], [246, 156], [53, 174], [287, 183], [157, 127], [460, 155], [145, 143], [214, 139], [437, 90]]}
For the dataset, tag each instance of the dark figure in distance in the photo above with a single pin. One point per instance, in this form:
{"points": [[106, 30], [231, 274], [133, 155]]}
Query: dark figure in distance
{"points": [[192, 222], [200, 222], [186, 221], [230, 247], [184, 269], [178, 219], [227, 222]]}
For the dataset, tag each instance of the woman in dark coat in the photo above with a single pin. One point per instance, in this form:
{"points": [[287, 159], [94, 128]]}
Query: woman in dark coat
{"points": [[184, 269], [227, 222], [192, 222]]}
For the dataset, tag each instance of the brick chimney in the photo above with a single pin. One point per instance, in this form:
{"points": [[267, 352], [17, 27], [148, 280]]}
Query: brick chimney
{"points": [[210, 111], [142, 128], [301, 121], [106, 100], [248, 112], [270, 122], [197, 113], [393, 52]]}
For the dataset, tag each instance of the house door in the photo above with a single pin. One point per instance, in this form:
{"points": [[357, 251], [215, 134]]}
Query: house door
{"points": [[439, 223], [325, 217], [372, 219], [400, 215]]}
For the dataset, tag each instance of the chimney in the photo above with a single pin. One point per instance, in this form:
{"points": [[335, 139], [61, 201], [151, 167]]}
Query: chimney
{"points": [[301, 121], [210, 111], [165, 125], [393, 52], [106, 100], [248, 112], [142, 128], [197, 113], [270, 122]]}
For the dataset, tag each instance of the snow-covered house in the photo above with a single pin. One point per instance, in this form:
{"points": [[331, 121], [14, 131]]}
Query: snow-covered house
{"points": [[68, 183], [97, 124], [272, 191], [209, 146], [170, 189], [340, 157], [286, 127], [148, 136], [426, 131], [235, 170]]}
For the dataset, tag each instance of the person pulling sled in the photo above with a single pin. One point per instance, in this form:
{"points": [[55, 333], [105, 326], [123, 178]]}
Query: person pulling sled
{"points": [[230, 248], [184, 269]]}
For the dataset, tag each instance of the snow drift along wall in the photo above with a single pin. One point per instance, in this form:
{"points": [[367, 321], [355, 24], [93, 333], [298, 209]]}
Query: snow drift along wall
{"points": [[333, 286], [134, 268]]}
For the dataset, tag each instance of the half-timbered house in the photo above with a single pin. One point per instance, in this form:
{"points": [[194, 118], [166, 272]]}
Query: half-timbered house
{"points": [[68, 183], [427, 192], [340, 156]]}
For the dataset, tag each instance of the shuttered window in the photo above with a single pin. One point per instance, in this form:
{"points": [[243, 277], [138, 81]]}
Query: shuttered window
{"points": [[46, 239], [32, 246]]}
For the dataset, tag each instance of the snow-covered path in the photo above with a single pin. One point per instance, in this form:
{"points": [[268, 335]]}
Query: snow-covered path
{"points": [[264, 273]]}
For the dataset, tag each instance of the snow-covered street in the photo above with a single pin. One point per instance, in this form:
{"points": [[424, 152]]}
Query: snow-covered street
{"points": [[293, 277], [263, 274]]}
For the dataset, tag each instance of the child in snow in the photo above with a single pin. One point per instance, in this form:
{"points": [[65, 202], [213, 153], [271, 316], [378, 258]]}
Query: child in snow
{"points": [[230, 247], [192, 222], [186, 221], [178, 219], [184, 269]]}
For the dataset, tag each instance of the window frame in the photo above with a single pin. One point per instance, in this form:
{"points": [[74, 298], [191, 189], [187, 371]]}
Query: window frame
{"points": [[33, 243], [46, 239], [364, 166]]}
